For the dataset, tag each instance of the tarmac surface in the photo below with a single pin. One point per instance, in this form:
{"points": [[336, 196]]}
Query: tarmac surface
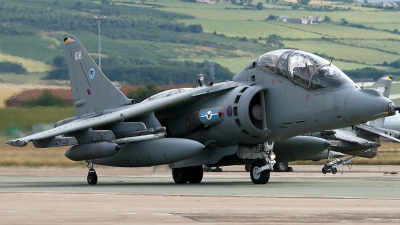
{"points": [[360, 195]]}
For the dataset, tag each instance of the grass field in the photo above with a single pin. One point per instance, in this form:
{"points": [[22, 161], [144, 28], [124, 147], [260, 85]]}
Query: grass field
{"points": [[30, 64], [392, 45], [30, 47], [337, 51], [35, 157], [385, 26], [25, 118], [360, 15], [339, 31], [224, 18], [249, 29]]}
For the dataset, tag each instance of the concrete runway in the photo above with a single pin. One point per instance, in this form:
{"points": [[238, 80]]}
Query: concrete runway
{"points": [[362, 195]]}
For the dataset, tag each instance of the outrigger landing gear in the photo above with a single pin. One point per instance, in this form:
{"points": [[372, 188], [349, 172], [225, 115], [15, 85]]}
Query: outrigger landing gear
{"points": [[261, 169], [331, 166], [92, 176]]}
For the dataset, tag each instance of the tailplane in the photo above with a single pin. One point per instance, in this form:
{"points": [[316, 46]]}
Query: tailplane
{"points": [[91, 90]]}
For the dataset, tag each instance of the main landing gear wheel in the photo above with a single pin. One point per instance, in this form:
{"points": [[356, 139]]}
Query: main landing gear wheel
{"points": [[281, 166], [92, 176], [196, 174], [259, 178], [180, 175], [192, 175]]}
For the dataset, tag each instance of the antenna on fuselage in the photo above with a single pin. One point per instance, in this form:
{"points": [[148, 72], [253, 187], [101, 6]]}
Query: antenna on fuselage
{"points": [[331, 62]]}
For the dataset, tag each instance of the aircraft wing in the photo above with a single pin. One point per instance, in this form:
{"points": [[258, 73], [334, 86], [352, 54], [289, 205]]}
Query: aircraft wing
{"points": [[376, 131], [137, 110], [350, 137]]}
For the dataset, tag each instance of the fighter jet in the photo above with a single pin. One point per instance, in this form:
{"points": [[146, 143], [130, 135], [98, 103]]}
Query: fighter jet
{"points": [[280, 95], [391, 126]]}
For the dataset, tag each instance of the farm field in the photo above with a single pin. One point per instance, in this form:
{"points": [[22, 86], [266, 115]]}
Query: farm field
{"points": [[249, 29], [230, 22], [386, 45], [336, 50], [338, 31], [251, 24], [384, 26]]}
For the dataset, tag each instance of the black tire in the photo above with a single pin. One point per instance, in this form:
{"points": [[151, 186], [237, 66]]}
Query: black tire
{"points": [[259, 178], [216, 169], [180, 175], [92, 178], [247, 168], [196, 174], [281, 166], [334, 170], [323, 170]]}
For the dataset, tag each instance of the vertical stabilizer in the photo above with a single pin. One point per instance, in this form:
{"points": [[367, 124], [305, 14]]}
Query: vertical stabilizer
{"points": [[383, 84], [91, 90]]}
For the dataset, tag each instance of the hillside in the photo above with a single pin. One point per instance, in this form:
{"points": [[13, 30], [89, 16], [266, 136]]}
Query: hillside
{"points": [[170, 41]]}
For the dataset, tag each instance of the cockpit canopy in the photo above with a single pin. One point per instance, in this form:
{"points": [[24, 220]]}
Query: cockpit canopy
{"points": [[303, 68]]}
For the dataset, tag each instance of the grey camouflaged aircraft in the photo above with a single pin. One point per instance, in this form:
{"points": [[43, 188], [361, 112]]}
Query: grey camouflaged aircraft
{"points": [[279, 95]]}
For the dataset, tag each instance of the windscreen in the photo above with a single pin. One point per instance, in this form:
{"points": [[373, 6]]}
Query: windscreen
{"points": [[269, 60]]}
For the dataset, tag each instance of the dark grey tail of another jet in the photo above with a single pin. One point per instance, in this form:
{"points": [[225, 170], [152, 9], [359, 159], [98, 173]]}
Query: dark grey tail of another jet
{"points": [[92, 92]]}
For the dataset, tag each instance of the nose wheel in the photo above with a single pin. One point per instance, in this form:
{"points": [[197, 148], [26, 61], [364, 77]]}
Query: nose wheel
{"points": [[92, 176], [256, 176]]}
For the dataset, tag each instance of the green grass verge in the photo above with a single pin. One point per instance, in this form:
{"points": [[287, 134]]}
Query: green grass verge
{"points": [[25, 118]]}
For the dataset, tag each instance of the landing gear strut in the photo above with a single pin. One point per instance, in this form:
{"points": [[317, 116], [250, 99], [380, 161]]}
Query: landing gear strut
{"points": [[331, 166], [260, 169], [92, 176], [193, 175]]}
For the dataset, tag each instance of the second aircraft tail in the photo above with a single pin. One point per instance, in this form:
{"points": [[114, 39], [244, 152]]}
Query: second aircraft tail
{"points": [[383, 84]]}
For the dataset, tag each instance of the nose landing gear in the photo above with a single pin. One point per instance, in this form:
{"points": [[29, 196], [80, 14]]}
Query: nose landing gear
{"points": [[261, 169]]}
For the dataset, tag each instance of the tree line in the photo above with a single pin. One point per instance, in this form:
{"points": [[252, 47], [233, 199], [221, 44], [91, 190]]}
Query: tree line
{"points": [[12, 67]]}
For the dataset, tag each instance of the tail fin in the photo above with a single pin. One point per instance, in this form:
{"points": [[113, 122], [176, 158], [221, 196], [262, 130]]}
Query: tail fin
{"points": [[383, 84], [91, 90]]}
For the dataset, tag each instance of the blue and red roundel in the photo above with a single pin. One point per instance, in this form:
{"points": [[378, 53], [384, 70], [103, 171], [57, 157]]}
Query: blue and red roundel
{"points": [[229, 111]]}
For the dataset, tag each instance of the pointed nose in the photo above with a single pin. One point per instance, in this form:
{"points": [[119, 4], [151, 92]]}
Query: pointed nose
{"points": [[367, 104]]}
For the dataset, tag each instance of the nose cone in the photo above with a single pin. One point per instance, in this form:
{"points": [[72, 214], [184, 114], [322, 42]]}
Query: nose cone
{"points": [[362, 105]]}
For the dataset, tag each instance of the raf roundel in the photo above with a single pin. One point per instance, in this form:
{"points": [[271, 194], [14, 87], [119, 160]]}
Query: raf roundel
{"points": [[92, 73], [229, 111]]}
